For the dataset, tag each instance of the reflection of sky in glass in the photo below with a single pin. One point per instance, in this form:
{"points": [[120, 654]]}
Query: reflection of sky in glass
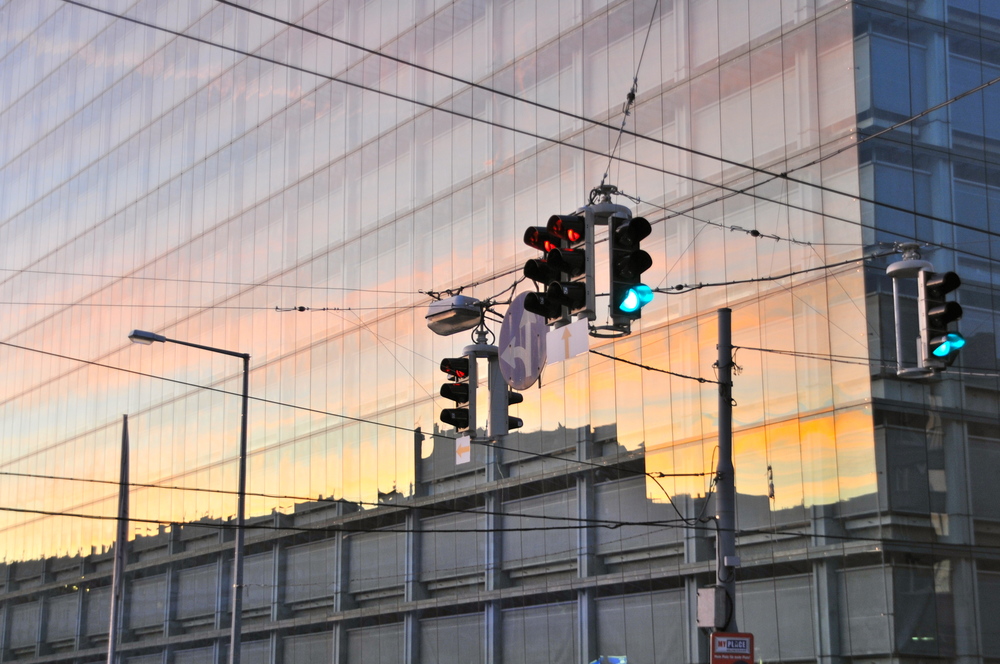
{"points": [[155, 183]]}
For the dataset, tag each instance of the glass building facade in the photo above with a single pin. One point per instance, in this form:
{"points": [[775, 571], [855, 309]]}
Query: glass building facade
{"points": [[298, 180]]}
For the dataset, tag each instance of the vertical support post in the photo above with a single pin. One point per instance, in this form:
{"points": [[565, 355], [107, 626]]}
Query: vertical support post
{"points": [[342, 598], [725, 491], [494, 578], [241, 496], [588, 563], [413, 589], [121, 538]]}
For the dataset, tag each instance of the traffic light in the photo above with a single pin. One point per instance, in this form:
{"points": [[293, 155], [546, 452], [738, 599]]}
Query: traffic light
{"points": [[460, 391], [628, 262], [567, 271], [514, 398], [939, 347]]}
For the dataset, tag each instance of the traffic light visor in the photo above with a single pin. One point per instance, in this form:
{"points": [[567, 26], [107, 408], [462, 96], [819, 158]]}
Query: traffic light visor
{"points": [[628, 234], [938, 285]]}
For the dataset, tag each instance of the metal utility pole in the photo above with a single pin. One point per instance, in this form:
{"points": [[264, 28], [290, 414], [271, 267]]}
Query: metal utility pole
{"points": [[726, 560], [121, 539]]}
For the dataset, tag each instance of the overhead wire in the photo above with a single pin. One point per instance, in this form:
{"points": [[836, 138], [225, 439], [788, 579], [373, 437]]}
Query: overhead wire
{"points": [[207, 282], [903, 544], [750, 167], [745, 191], [752, 232], [224, 525], [492, 445], [393, 506]]}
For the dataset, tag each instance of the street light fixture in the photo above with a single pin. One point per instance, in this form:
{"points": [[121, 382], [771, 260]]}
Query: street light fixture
{"points": [[147, 338]]}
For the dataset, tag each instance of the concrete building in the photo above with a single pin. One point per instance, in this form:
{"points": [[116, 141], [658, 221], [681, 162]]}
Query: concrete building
{"points": [[298, 180]]}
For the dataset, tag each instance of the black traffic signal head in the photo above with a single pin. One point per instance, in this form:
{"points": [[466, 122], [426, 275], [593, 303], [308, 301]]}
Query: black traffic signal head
{"points": [[460, 391], [514, 398], [939, 346], [565, 240], [628, 262]]}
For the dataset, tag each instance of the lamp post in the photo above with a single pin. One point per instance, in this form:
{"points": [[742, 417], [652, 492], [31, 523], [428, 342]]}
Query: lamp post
{"points": [[141, 337]]}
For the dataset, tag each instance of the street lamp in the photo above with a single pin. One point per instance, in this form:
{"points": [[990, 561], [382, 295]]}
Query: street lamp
{"points": [[147, 338]]}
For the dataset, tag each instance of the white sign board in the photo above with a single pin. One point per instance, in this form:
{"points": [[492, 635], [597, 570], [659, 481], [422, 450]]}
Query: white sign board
{"points": [[463, 450], [568, 341]]}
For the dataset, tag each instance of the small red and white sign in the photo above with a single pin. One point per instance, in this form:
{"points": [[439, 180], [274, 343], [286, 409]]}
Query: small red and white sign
{"points": [[732, 648]]}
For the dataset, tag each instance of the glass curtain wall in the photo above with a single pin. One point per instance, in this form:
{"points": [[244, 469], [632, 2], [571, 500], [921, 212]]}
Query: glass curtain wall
{"points": [[932, 180], [216, 175], [160, 178]]}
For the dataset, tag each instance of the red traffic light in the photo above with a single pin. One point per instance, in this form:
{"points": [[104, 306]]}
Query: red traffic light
{"points": [[568, 227], [457, 367], [540, 238]]}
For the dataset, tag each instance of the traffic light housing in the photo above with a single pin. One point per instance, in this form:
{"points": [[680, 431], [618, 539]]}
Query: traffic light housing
{"points": [[566, 272], [514, 398], [460, 390], [939, 346], [627, 263]]}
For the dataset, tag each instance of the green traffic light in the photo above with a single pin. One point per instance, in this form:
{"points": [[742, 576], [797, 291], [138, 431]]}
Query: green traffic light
{"points": [[952, 342], [636, 298]]}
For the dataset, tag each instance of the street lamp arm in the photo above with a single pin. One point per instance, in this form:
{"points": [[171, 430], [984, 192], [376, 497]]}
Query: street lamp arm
{"points": [[143, 337]]}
